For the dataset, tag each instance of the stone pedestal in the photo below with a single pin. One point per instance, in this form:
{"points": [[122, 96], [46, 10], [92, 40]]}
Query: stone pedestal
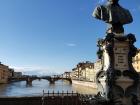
{"points": [[117, 80]]}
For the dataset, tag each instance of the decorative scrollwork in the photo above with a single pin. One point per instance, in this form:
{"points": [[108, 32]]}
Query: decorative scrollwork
{"points": [[131, 38], [109, 37], [100, 50]]}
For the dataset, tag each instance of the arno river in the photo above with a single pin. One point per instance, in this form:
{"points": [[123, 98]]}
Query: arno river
{"points": [[21, 89]]}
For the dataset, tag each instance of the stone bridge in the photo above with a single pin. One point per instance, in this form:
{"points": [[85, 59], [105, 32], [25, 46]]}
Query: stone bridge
{"points": [[51, 80]]}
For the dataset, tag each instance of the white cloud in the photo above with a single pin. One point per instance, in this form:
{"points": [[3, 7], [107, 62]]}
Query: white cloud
{"points": [[28, 68], [82, 9], [134, 10], [71, 44], [139, 8], [101, 1], [35, 70]]}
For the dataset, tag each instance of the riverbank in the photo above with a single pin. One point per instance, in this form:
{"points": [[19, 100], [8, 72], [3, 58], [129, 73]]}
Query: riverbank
{"points": [[84, 83]]}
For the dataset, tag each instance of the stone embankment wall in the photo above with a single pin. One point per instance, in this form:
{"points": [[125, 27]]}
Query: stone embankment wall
{"points": [[49, 100], [84, 83]]}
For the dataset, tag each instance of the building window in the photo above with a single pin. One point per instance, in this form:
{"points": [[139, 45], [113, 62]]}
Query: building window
{"points": [[136, 57]]}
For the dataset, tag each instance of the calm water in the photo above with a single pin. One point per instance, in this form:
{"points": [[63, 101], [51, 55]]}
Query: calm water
{"points": [[21, 89]]}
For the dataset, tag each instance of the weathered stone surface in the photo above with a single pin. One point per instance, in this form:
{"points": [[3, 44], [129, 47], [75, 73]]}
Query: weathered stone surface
{"points": [[117, 80]]}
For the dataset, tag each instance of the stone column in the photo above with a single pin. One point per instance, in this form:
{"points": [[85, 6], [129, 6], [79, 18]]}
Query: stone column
{"points": [[117, 80]]}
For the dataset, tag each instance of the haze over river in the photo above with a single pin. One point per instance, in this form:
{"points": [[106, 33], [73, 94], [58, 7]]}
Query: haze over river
{"points": [[21, 89]]}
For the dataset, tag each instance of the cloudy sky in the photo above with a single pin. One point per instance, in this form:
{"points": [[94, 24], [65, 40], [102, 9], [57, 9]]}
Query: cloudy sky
{"points": [[52, 36]]}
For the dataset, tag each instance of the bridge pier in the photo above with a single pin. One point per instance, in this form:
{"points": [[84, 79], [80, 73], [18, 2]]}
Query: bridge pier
{"points": [[70, 81], [39, 79], [29, 81], [52, 81]]}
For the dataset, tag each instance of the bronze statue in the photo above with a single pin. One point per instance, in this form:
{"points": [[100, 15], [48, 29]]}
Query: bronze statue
{"points": [[113, 14]]}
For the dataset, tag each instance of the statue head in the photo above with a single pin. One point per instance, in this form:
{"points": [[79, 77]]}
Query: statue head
{"points": [[113, 1]]}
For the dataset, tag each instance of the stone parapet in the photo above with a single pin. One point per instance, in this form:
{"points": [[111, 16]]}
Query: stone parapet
{"points": [[51, 100]]}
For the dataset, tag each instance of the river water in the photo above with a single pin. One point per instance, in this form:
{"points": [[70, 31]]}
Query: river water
{"points": [[21, 89]]}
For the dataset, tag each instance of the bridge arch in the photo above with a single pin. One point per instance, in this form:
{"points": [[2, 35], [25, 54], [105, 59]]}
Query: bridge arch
{"points": [[52, 80]]}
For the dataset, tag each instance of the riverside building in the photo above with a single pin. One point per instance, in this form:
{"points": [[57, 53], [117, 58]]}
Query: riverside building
{"points": [[4, 73], [97, 65], [84, 71], [136, 61], [10, 73], [17, 74]]}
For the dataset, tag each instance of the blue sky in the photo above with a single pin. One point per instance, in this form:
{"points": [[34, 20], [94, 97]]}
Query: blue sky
{"points": [[48, 36]]}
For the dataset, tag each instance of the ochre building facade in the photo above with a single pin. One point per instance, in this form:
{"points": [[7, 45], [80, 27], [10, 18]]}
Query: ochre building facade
{"points": [[136, 61], [5, 73]]}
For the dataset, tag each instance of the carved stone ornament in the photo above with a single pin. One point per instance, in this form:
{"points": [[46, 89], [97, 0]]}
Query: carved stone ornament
{"points": [[117, 80]]}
